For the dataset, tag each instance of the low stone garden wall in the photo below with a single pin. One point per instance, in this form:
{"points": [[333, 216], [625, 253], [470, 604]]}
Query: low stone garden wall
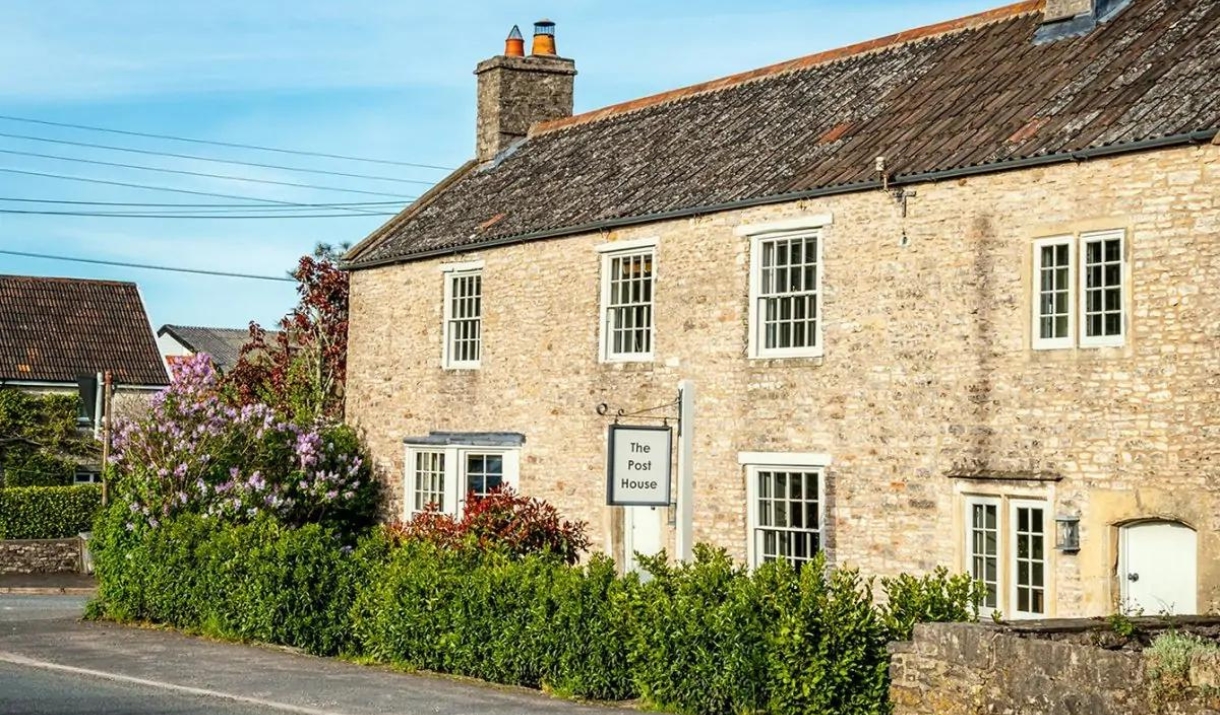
{"points": [[25, 556], [1063, 667]]}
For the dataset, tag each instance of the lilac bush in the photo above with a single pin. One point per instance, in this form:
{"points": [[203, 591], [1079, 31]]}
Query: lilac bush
{"points": [[194, 452]]}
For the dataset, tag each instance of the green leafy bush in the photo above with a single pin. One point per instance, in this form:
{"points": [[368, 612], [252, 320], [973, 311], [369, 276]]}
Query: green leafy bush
{"points": [[937, 597], [260, 581], [828, 651], [39, 438], [31, 467], [48, 420], [529, 621], [708, 637], [699, 634], [48, 512]]}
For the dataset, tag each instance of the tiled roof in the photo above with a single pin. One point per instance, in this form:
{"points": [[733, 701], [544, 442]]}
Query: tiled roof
{"points": [[976, 94], [222, 344], [57, 329]]}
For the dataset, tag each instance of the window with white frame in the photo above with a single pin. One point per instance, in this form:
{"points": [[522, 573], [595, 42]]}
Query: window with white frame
{"points": [[785, 300], [1102, 258], [1006, 552], [463, 318], [484, 473], [446, 477], [984, 548], [428, 477], [1079, 290], [1053, 278], [627, 304], [785, 507], [1028, 522]]}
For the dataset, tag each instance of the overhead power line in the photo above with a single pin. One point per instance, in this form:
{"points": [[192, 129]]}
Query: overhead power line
{"points": [[184, 172], [197, 157], [232, 145], [148, 187], [104, 214], [148, 267], [327, 205]]}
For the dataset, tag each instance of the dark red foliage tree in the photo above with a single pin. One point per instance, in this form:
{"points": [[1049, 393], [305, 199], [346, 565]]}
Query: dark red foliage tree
{"points": [[303, 369], [501, 521]]}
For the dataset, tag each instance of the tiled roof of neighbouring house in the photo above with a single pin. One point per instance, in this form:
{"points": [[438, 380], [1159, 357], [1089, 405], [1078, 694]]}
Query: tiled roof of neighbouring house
{"points": [[222, 344], [977, 93], [57, 329]]}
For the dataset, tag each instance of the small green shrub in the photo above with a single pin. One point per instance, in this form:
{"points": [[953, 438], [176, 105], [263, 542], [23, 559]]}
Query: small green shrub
{"points": [[589, 632], [1168, 659], [828, 652], [699, 640], [31, 467], [255, 582], [937, 597], [48, 512]]}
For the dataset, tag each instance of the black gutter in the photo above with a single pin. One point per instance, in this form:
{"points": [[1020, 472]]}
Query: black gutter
{"points": [[1197, 137]]}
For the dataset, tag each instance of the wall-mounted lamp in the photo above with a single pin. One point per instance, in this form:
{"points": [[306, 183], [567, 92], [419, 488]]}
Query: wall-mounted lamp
{"points": [[1067, 533]]}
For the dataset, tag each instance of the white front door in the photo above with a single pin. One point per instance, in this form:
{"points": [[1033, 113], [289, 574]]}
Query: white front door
{"points": [[644, 533], [1156, 568]]}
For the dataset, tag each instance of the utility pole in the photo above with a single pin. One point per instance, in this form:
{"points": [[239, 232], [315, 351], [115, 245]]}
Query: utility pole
{"points": [[686, 470], [105, 419]]}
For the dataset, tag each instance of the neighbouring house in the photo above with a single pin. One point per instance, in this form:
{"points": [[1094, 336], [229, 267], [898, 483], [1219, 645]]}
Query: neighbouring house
{"points": [[58, 334], [947, 297], [223, 345]]}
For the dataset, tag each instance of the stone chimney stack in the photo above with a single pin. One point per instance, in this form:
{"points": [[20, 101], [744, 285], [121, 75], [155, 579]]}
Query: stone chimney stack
{"points": [[1057, 10], [1071, 18], [516, 91]]}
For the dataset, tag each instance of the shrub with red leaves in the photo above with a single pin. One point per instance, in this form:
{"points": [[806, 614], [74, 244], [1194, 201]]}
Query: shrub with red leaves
{"points": [[501, 521]]}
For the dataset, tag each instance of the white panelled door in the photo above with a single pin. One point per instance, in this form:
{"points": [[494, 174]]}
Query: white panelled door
{"points": [[1157, 568], [644, 531]]}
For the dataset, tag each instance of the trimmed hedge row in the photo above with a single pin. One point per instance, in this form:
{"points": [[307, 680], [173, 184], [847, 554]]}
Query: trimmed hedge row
{"points": [[708, 637], [48, 512]]}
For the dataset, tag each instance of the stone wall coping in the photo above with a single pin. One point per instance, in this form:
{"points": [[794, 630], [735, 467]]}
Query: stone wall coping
{"points": [[65, 540], [1053, 626]]}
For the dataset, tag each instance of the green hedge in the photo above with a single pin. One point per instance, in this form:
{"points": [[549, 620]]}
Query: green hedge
{"points": [[708, 637], [48, 512]]}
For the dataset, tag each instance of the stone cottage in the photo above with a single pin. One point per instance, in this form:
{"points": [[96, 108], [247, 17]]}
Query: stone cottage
{"points": [[60, 335], [947, 298]]}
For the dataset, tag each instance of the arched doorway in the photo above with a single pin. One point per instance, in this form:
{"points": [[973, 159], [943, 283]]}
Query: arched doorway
{"points": [[1157, 567]]}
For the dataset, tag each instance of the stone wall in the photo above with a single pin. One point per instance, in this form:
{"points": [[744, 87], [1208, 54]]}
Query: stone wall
{"points": [[928, 390], [1045, 669], [40, 556]]}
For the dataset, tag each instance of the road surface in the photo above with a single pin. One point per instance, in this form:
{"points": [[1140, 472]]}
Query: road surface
{"points": [[51, 663]]}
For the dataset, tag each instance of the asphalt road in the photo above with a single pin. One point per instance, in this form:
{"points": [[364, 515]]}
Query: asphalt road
{"points": [[31, 691], [51, 663]]}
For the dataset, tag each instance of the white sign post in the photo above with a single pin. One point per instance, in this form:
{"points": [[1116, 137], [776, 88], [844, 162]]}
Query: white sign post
{"points": [[685, 521], [639, 466]]}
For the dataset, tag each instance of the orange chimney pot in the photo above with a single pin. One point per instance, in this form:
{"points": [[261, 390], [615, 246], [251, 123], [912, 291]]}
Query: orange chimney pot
{"points": [[544, 38], [514, 44]]}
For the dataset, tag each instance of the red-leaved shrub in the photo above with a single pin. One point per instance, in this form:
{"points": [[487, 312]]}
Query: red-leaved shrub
{"points": [[501, 521]]}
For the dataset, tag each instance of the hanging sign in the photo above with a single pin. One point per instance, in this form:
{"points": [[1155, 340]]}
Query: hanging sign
{"points": [[638, 467]]}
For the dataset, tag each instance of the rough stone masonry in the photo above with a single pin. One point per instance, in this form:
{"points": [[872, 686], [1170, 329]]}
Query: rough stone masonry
{"points": [[928, 390]]}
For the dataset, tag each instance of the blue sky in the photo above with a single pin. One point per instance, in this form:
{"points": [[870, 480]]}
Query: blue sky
{"points": [[382, 79]]}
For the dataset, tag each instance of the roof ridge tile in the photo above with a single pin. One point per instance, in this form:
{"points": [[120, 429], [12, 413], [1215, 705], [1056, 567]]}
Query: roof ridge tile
{"points": [[968, 22]]}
